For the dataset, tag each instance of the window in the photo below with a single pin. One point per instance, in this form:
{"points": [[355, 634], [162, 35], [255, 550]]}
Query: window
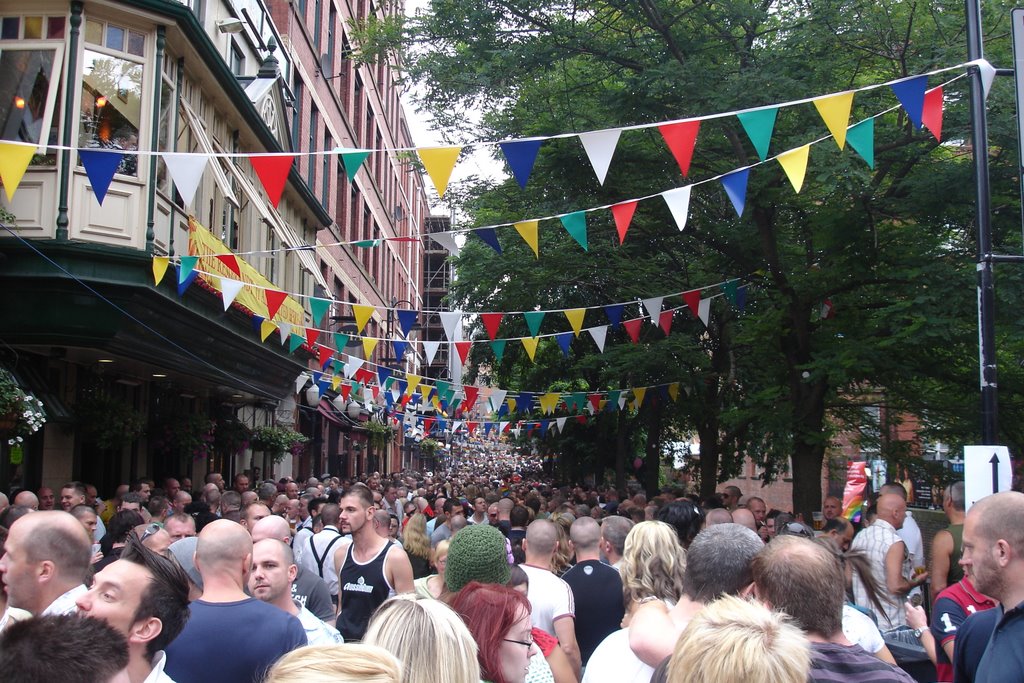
{"points": [[331, 23], [237, 60], [325, 172], [167, 121], [296, 114], [314, 124], [318, 10]]}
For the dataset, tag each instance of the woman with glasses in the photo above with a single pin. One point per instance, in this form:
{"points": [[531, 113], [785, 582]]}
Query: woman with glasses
{"points": [[498, 617]]}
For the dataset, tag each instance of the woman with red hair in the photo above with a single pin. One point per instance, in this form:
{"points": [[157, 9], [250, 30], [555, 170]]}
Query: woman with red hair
{"points": [[499, 619]]}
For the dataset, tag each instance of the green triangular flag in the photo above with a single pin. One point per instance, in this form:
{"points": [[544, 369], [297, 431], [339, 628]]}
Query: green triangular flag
{"points": [[729, 289], [533, 321], [444, 390], [340, 341], [576, 225], [366, 244], [188, 264], [318, 307], [294, 342], [613, 400], [759, 125], [498, 346], [352, 161], [861, 137]]}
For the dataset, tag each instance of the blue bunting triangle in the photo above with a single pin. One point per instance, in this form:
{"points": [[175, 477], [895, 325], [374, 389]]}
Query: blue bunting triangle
{"points": [[383, 375], [735, 185], [910, 93], [487, 427], [257, 321], [100, 166], [524, 403], [490, 236], [399, 347], [521, 155], [614, 313], [741, 297], [183, 283], [544, 424], [406, 319], [564, 340]]}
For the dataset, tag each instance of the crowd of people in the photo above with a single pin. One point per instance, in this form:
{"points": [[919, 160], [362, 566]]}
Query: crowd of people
{"points": [[497, 576]]}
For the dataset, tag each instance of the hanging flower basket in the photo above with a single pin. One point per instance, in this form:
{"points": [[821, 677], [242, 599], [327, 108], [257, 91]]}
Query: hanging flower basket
{"points": [[21, 413], [108, 421]]}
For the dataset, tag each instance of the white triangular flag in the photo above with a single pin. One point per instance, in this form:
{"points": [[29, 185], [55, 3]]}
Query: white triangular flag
{"points": [[395, 393], [501, 427], [352, 366], [285, 329], [450, 320], [560, 421], [516, 431], [678, 201], [704, 311], [446, 240], [600, 146], [300, 381], [186, 170], [599, 334], [430, 350], [456, 426], [622, 401], [988, 74], [229, 289], [497, 398], [653, 306]]}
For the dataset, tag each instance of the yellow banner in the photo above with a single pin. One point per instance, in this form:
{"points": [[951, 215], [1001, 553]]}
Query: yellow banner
{"points": [[203, 244]]}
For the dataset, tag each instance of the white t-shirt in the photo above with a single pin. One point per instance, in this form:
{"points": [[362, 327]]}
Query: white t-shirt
{"points": [[613, 660], [550, 598], [860, 630]]}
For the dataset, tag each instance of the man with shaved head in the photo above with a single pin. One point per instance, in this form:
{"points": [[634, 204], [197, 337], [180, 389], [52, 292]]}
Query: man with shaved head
{"points": [[308, 589], [890, 562], [27, 499], [45, 563], [596, 588], [229, 635], [554, 610]]}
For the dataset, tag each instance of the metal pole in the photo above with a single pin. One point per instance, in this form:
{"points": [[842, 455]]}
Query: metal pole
{"points": [[986, 280]]}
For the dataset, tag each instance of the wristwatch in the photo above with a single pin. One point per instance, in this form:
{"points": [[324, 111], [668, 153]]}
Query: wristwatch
{"points": [[918, 632]]}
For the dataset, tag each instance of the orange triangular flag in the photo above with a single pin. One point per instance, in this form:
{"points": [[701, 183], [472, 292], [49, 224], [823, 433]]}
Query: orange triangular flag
{"points": [[439, 163], [835, 112]]}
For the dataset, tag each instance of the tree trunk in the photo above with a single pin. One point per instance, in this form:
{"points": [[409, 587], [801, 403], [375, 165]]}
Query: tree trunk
{"points": [[709, 457], [621, 451], [653, 445]]}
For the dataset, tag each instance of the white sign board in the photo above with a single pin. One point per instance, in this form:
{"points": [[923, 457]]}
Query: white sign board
{"points": [[986, 471], [1017, 31]]}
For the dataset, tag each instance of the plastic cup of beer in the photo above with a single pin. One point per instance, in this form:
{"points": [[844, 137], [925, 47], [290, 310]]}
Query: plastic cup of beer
{"points": [[819, 520]]}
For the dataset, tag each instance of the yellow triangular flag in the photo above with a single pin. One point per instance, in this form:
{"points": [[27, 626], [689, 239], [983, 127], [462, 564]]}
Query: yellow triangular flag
{"points": [[160, 264], [794, 163], [673, 391], [363, 315], [14, 159], [575, 318], [335, 382], [413, 381], [835, 112], [511, 404], [548, 402], [638, 396], [439, 163], [369, 344], [425, 391], [528, 231], [530, 344], [266, 329]]}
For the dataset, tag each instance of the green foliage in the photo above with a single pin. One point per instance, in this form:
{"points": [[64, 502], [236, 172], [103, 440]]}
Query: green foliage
{"points": [[108, 421], [430, 446], [379, 435], [277, 441]]}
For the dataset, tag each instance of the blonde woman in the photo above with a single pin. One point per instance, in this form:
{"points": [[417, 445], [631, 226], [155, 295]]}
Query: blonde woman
{"points": [[349, 663], [417, 545], [652, 568], [562, 558], [428, 637], [433, 586]]}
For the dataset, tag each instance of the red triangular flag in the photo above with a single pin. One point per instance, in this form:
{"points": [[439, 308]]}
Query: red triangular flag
{"points": [[931, 113], [633, 328], [595, 400], [471, 426], [405, 399], [507, 426], [463, 348], [311, 336], [323, 354], [375, 390], [665, 322], [428, 422], [273, 173], [364, 376], [346, 390], [623, 214], [231, 262], [491, 322], [681, 138], [274, 301], [692, 300], [471, 394], [582, 419]]}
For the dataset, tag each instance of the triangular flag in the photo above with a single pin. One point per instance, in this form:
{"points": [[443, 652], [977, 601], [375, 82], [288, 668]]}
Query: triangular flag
{"points": [[160, 264], [498, 346], [323, 356], [638, 395], [692, 299], [528, 231], [335, 382], [653, 306], [294, 342], [231, 261], [430, 350], [471, 395], [564, 340], [794, 163], [678, 201], [861, 137], [704, 311], [450, 320], [490, 237], [491, 322], [186, 171], [369, 344], [741, 297], [623, 215], [560, 422], [14, 160], [600, 146], [533, 321], [186, 266], [759, 125], [439, 163], [614, 314], [285, 331], [274, 300], [301, 380], [599, 334], [399, 346], [185, 282], [576, 225], [673, 391], [463, 349], [987, 72], [383, 375], [729, 289], [266, 329], [406, 319], [910, 93], [272, 170], [229, 289], [575, 318], [521, 155], [549, 402], [681, 138], [496, 398], [446, 240], [665, 322], [835, 112], [931, 116], [352, 160], [353, 365], [340, 341], [318, 307], [100, 166], [530, 344], [633, 329], [362, 315], [735, 185], [346, 391]]}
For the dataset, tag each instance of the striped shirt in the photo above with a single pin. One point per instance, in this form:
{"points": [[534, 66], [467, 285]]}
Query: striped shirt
{"points": [[832, 663], [875, 542]]}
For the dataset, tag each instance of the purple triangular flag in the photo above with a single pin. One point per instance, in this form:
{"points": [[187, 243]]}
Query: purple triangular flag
{"points": [[521, 155], [735, 185], [100, 166], [910, 93]]}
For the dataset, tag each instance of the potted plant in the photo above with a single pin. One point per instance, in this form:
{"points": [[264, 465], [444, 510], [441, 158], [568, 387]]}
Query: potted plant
{"points": [[108, 421], [21, 413], [231, 437], [379, 435], [429, 446], [276, 441]]}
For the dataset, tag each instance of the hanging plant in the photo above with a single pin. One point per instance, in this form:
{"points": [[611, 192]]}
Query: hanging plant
{"points": [[380, 435], [276, 441], [21, 413], [108, 421], [429, 446], [190, 434], [231, 437]]}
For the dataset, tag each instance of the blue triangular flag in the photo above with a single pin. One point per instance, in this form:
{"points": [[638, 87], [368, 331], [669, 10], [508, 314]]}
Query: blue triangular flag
{"points": [[317, 376], [564, 340], [100, 166], [402, 386], [324, 384], [524, 403], [383, 375], [544, 424], [502, 409], [487, 427], [257, 321], [735, 185], [614, 313], [741, 297], [399, 347], [406, 319], [442, 424], [189, 278], [910, 93], [489, 236], [389, 399], [521, 155]]}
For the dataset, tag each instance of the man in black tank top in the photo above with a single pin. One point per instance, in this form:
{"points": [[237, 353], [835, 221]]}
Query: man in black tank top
{"points": [[372, 568]]}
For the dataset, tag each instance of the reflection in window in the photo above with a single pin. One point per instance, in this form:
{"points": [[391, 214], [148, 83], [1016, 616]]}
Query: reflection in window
{"points": [[29, 106], [111, 106]]}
